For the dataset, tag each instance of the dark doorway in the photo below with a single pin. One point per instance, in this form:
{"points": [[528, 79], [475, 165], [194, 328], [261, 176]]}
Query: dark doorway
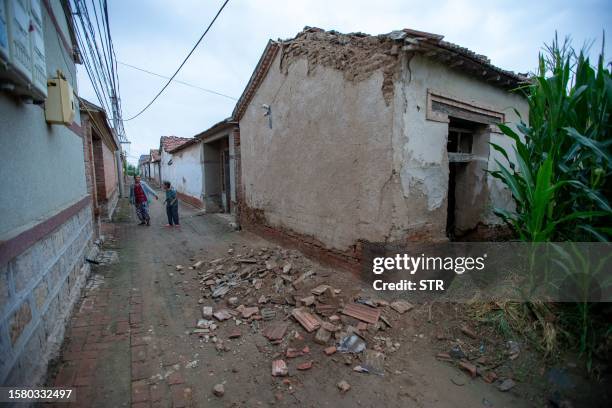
{"points": [[225, 180], [462, 135]]}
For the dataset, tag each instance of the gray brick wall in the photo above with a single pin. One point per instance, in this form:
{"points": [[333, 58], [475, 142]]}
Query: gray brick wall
{"points": [[38, 289]]}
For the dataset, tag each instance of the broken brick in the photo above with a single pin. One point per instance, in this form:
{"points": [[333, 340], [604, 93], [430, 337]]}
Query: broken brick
{"points": [[305, 366], [469, 367], [279, 368], [322, 336], [401, 306], [275, 331], [307, 320], [330, 350], [362, 312], [222, 314], [249, 311], [468, 332]]}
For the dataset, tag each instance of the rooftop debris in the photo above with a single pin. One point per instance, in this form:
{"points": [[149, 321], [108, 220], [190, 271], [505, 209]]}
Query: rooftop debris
{"points": [[401, 306], [279, 295], [308, 321], [279, 368], [361, 312]]}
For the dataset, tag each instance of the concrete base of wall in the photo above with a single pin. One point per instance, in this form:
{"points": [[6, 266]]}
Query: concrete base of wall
{"points": [[38, 290], [196, 202], [254, 220], [111, 204]]}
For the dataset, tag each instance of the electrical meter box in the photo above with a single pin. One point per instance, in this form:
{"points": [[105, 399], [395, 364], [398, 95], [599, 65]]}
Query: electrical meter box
{"points": [[60, 105], [19, 37], [23, 68], [37, 45]]}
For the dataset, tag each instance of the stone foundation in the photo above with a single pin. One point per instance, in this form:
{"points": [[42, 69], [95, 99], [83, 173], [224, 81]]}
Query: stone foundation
{"points": [[38, 289]]}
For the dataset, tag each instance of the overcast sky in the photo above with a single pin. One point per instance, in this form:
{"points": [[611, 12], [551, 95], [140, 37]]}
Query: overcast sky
{"points": [[157, 34]]}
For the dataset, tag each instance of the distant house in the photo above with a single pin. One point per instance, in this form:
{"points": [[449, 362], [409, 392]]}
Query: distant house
{"points": [[351, 138], [167, 144], [46, 225], [204, 171], [154, 166], [144, 166], [103, 165]]}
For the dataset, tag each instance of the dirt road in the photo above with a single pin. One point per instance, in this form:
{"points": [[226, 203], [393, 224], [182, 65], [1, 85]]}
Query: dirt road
{"points": [[131, 340]]}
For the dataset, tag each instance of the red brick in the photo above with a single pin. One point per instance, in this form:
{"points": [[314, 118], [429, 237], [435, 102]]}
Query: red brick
{"points": [[65, 376], [139, 353], [140, 391], [83, 381], [135, 318], [180, 396], [175, 378], [158, 392], [122, 327], [140, 370], [137, 340], [86, 368]]}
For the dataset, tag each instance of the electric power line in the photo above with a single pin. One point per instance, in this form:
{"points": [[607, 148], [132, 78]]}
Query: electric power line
{"points": [[177, 81], [183, 63]]}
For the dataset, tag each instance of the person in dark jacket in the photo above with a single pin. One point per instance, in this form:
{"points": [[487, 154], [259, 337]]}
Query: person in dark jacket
{"points": [[140, 194], [171, 205]]}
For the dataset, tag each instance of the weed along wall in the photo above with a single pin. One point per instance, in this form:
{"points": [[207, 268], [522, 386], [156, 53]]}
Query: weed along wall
{"points": [[367, 158]]}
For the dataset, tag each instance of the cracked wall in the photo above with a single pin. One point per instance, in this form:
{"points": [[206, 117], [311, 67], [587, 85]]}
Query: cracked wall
{"points": [[348, 157]]}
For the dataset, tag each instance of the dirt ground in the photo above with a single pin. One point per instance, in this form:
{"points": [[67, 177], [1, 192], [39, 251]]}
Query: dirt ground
{"points": [[132, 341]]}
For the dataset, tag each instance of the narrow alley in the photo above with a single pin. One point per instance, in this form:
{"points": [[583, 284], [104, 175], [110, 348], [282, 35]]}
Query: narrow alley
{"points": [[132, 337]]}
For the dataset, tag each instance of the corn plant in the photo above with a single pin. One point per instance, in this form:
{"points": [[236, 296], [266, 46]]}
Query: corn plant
{"points": [[559, 175], [561, 180]]}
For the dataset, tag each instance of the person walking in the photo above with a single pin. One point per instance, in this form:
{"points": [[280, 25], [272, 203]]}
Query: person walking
{"points": [[171, 205], [140, 193]]}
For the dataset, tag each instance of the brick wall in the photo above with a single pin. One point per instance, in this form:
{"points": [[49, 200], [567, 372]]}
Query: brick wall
{"points": [[90, 177], [237, 172], [98, 156], [38, 289]]}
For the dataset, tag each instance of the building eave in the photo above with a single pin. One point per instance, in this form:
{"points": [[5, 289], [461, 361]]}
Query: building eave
{"points": [[258, 75]]}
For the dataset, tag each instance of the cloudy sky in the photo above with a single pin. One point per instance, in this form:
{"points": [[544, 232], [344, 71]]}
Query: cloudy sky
{"points": [[157, 34]]}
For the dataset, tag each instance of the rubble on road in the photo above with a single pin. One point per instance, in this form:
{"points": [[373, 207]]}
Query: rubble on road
{"points": [[506, 385], [365, 313], [280, 295], [343, 386], [219, 390], [279, 368], [401, 306]]}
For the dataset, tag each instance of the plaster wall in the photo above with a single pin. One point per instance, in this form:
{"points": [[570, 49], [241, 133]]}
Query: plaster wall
{"points": [[47, 158], [167, 171], [187, 171], [419, 144], [325, 168], [110, 171]]}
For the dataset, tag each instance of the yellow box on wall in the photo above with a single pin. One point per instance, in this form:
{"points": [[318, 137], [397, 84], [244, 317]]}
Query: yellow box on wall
{"points": [[59, 106]]}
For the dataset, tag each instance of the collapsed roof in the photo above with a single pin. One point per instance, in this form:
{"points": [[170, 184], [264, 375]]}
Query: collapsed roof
{"points": [[360, 54]]}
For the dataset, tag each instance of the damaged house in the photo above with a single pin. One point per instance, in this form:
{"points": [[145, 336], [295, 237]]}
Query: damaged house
{"points": [[352, 138]]}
